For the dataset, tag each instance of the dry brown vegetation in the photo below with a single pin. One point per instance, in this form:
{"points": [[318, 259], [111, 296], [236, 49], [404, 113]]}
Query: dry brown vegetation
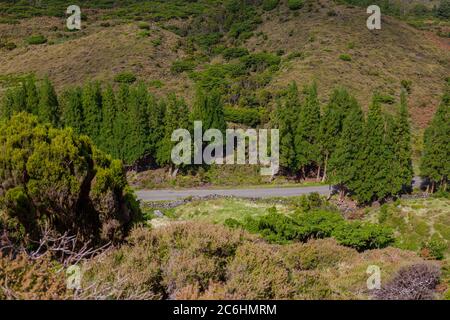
{"points": [[204, 261]]}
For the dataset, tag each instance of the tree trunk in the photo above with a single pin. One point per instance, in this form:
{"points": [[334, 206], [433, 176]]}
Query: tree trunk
{"points": [[325, 168], [318, 173]]}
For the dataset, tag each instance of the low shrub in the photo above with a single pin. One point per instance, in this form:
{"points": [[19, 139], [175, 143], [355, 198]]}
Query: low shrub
{"points": [[248, 116], [363, 236], [181, 66], [143, 25], [345, 57], [269, 5], [125, 77], [36, 39], [235, 52], [295, 4], [316, 224], [434, 249]]}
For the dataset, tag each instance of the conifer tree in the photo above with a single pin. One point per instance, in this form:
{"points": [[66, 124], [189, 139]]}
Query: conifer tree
{"points": [[120, 128], [402, 143], [72, 109], [375, 173], [156, 113], [7, 104], [109, 113], [31, 93], [48, 107], [208, 108], [92, 110], [331, 124], [176, 117], [307, 132], [394, 180], [285, 119], [346, 162], [138, 124], [435, 161]]}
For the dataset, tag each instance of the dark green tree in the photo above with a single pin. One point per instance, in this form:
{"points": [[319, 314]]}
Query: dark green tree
{"points": [[48, 107], [331, 124], [285, 119], [435, 161], [120, 127], [375, 172], [307, 133], [346, 162], [92, 110], [72, 109], [138, 125], [31, 94], [402, 144], [156, 113], [107, 139], [176, 117]]}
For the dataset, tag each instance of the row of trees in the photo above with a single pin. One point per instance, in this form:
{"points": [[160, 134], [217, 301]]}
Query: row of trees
{"points": [[129, 123], [369, 157]]}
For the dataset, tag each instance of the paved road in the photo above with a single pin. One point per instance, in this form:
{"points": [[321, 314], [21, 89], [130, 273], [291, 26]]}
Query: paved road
{"points": [[158, 195], [155, 195]]}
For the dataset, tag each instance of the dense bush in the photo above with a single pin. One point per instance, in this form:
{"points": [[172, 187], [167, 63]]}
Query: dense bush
{"points": [[363, 236], [235, 52], [36, 39], [416, 282], [434, 249], [345, 57], [247, 116], [260, 61], [443, 10], [280, 228], [269, 5], [295, 4], [181, 66], [125, 77], [54, 181]]}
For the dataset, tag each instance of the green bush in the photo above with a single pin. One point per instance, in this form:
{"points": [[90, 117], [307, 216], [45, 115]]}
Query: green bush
{"points": [[8, 45], [232, 53], [258, 62], [181, 66], [269, 5], [435, 248], [53, 179], [363, 236], [125, 77], [36, 39], [249, 117], [345, 57], [443, 10], [143, 25], [295, 4], [316, 224]]}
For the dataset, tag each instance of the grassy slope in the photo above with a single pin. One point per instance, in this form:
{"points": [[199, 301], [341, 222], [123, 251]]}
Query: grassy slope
{"points": [[380, 59]]}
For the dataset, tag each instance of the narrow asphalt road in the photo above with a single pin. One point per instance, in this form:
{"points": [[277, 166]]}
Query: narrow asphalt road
{"points": [[166, 194]]}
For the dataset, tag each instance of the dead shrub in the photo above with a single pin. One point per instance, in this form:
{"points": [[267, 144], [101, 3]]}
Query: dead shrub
{"points": [[24, 278], [415, 282]]}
